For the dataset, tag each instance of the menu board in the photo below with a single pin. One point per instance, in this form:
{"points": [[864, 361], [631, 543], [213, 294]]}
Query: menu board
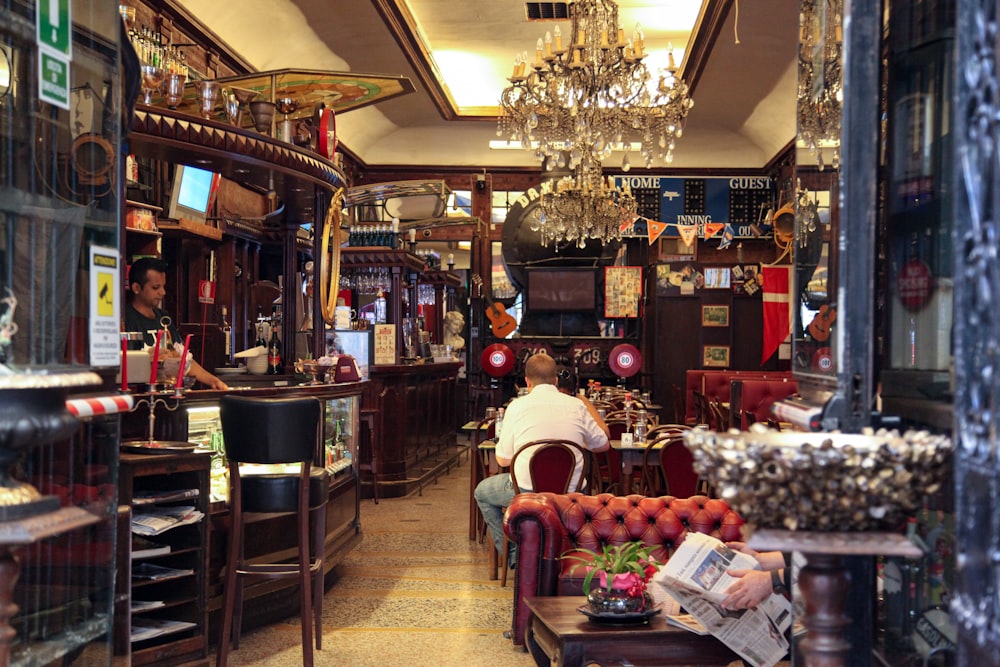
{"points": [[385, 344], [622, 291]]}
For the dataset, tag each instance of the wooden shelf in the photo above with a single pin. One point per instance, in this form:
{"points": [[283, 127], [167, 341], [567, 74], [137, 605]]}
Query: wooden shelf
{"points": [[190, 227], [184, 595]]}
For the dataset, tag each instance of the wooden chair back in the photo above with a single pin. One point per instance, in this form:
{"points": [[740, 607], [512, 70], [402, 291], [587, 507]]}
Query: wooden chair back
{"points": [[677, 464], [702, 410], [678, 403], [662, 429], [719, 416], [668, 468], [552, 465]]}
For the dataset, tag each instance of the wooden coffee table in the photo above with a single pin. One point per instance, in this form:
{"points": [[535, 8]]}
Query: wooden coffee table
{"points": [[570, 639]]}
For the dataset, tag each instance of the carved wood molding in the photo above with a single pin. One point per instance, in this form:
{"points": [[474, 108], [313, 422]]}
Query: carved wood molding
{"points": [[190, 138]]}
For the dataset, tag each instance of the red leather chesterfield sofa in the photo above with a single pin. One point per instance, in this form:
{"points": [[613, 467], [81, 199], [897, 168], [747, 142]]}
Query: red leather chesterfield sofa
{"points": [[546, 525]]}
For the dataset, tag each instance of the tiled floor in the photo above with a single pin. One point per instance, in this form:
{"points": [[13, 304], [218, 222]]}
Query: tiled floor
{"points": [[414, 592]]}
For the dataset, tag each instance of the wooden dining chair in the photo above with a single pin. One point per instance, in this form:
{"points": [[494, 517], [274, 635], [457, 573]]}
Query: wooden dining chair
{"points": [[661, 429], [702, 411], [608, 464], [653, 482], [668, 469], [720, 416], [551, 469], [485, 430], [679, 410]]}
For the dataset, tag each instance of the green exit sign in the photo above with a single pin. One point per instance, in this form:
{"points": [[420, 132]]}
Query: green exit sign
{"points": [[54, 27], [53, 79]]}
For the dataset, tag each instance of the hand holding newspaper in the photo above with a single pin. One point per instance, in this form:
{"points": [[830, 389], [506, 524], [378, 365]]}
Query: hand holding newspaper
{"points": [[695, 576]]}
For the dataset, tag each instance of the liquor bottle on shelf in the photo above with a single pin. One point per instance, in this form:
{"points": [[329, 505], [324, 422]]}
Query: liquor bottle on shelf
{"points": [[274, 354], [260, 342], [227, 334]]}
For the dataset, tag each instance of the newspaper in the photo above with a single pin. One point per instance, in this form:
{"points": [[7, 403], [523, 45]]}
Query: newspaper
{"points": [[156, 520], [695, 576]]}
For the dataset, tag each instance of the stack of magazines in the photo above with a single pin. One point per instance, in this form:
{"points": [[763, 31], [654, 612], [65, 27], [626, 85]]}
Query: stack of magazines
{"points": [[155, 520]]}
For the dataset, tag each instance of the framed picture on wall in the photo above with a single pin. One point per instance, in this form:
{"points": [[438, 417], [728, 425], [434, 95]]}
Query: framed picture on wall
{"points": [[622, 291], [716, 277], [715, 316], [715, 356]]}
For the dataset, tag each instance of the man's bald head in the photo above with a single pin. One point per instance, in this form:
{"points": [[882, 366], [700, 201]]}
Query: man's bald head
{"points": [[541, 369]]}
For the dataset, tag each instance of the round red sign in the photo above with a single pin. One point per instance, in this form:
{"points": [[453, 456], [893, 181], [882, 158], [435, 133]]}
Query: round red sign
{"points": [[914, 284], [497, 360], [625, 360]]}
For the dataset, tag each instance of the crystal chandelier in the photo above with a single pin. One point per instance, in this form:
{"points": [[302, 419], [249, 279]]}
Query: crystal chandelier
{"points": [[820, 92], [592, 93], [584, 206]]}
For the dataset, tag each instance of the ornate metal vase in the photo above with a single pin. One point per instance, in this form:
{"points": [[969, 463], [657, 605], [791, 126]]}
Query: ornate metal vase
{"points": [[32, 413], [618, 601]]}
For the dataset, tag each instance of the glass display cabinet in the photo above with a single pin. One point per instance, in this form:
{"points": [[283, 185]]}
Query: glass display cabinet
{"points": [[60, 291], [337, 453]]}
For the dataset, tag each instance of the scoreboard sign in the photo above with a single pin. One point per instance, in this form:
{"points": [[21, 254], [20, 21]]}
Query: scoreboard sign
{"points": [[706, 203]]}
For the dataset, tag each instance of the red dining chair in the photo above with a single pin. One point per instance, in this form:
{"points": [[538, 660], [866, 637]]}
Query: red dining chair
{"points": [[550, 469], [677, 464], [668, 468]]}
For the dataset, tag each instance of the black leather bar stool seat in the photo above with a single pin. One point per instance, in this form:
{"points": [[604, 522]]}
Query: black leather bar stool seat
{"points": [[268, 492], [270, 431]]}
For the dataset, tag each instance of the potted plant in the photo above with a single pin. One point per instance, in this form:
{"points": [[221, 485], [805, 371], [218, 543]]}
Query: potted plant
{"points": [[622, 572]]}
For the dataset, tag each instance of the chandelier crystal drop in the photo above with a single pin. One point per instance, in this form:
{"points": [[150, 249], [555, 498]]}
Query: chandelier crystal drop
{"points": [[584, 206], [589, 92]]}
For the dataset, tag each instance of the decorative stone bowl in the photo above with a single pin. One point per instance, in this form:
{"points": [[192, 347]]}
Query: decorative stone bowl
{"points": [[821, 481]]}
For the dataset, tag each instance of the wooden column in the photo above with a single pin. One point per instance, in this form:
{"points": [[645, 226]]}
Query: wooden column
{"points": [[825, 585]]}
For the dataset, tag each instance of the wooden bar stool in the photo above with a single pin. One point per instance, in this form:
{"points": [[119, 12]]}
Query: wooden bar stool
{"points": [[274, 431]]}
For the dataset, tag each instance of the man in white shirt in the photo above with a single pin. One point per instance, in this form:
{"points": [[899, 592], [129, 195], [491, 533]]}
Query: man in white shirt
{"points": [[544, 413]]}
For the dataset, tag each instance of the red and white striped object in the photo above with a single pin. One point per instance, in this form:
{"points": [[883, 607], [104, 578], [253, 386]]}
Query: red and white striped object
{"points": [[99, 405]]}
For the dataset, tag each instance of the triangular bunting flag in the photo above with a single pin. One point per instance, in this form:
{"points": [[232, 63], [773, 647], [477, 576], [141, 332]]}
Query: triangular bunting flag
{"points": [[727, 237], [626, 224], [713, 228], [655, 229], [688, 233]]}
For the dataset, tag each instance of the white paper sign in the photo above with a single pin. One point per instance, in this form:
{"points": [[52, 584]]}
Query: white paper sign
{"points": [[105, 307], [385, 344]]}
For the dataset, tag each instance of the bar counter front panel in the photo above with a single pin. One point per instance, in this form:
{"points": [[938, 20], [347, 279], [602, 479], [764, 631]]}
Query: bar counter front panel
{"points": [[414, 411]]}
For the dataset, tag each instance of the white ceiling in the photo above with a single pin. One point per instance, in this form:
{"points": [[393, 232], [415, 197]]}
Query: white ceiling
{"points": [[744, 111]]}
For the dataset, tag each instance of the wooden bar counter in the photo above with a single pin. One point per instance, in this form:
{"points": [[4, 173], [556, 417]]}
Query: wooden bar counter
{"points": [[414, 412]]}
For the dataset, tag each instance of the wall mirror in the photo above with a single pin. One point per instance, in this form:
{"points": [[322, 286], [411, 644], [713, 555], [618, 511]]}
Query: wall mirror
{"points": [[819, 106]]}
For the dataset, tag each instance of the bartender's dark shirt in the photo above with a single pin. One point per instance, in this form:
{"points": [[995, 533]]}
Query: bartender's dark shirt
{"points": [[136, 321]]}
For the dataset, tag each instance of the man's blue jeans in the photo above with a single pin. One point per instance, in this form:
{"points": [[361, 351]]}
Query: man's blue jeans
{"points": [[493, 495]]}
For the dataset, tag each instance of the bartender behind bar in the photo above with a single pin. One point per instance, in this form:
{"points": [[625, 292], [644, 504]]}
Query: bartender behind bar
{"points": [[147, 283]]}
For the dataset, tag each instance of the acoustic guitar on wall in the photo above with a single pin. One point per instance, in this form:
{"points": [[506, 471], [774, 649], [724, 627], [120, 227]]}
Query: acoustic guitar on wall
{"points": [[821, 324], [502, 323]]}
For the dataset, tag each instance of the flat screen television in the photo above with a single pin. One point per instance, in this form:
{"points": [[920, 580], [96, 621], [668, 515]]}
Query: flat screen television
{"points": [[192, 194], [562, 290]]}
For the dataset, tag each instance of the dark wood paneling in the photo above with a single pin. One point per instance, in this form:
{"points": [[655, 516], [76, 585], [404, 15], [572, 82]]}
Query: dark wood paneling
{"points": [[678, 344], [746, 321]]}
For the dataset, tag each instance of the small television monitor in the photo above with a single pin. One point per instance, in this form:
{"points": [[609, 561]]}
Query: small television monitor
{"points": [[562, 290], [192, 194]]}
